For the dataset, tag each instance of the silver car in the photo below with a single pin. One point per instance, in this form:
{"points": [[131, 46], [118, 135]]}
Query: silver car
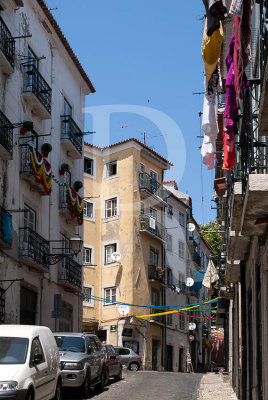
{"points": [[82, 361], [129, 358]]}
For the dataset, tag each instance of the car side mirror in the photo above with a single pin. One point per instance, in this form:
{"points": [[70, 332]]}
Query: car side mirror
{"points": [[38, 358], [89, 349]]}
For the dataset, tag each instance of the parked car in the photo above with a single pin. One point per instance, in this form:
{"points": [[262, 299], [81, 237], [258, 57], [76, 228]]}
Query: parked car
{"points": [[29, 363], [82, 361], [129, 358], [113, 362]]}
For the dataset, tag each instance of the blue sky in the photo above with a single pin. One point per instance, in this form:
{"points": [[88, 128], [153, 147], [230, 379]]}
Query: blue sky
{"points": [[146, 53]]}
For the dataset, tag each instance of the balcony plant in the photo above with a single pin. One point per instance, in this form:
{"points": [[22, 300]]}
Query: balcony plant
{"points": [[64, 168], [77, 185], [46, 149]]}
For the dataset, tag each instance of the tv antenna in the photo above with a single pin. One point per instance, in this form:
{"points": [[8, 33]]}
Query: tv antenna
{"points": [[123, 127]]}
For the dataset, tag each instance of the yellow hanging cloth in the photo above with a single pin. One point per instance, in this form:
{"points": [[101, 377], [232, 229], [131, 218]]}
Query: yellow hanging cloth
{"points": [[211, 49]]}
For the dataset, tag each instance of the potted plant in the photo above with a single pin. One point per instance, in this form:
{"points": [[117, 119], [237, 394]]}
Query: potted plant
{"points": [[77, 185], [46, 149], [64, 168], [27, 126]]}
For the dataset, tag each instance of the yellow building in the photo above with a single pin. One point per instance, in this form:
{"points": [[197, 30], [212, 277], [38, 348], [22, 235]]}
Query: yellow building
{"points": [[123, 211]]}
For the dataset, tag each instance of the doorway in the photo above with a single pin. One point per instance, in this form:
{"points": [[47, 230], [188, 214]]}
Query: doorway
{"points": [[28, 301], [154, 354], [170, 358], [181, 369]]}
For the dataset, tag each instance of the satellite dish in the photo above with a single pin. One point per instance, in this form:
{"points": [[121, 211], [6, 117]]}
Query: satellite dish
{"points": [[191, 326], [123, 310], [116, 256], [190, 227], [189, 282]]}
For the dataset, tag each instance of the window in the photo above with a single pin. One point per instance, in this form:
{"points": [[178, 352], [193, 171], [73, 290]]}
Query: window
{"points": [[181, 282], [111, 207], [142, 208], [153, 181], [169, 320], [122, 352], [110, 294], [169, 276], [155, 298], [181, 322], [182, 219], [88, 293], [36, 349], [67, 109], [153, 213], [87, 255], [181, 249], [89, 166], [29, 218], [88, 209], [142, 176], [169, 210], [169, 242], [154, 257], [109, 249], [111, 169]]}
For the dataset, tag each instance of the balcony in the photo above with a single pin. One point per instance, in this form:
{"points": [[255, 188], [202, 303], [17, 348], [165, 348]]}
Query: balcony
{"points": [[6, 229], [33, 249], [232, 273], [70, 274], [150, 226], [237, 245], [150, 187], [71, 137], [6, 138], [7, 49], [159, 319], [155, 274], [196, 258], [27, 173], [36, 92], [236, 207]]}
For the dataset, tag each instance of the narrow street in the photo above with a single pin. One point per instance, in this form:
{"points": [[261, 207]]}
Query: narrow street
{"points": [[150, 385]]}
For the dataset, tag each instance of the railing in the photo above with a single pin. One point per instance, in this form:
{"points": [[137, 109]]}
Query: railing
{"points": [[63, 205], [154, 274], [36, 84], [150, 225], [6, 133], [70, 131], [7, 43], [33, 246], [152, 186], [25, 167], [70, 272]]}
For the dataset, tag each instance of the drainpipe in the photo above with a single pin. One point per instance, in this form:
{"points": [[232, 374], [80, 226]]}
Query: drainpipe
{"points": [[164, 328], [244, 331]]}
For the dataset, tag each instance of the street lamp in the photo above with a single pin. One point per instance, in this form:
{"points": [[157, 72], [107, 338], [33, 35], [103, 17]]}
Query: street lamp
{"points": [[76, 244]]}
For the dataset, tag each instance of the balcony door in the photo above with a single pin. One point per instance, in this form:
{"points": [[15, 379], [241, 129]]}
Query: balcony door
{"points": [[142, 176], [67, 111], [153, 181], [32, 62], [29, 231]]}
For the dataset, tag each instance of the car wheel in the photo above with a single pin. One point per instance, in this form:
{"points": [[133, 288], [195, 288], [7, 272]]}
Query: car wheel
{"points": [[134, 366], [29, 395], [85, 388], [103, 379], [58, 391], [119, 376]]}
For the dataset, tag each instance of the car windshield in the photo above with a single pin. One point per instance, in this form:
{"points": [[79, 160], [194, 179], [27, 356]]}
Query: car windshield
{"points": [[13, 350], [70, 343]]}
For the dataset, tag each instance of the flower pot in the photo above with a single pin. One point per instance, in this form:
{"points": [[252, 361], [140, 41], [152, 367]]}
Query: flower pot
{"points": [[77, 186], [23, 131], [46, 149]]}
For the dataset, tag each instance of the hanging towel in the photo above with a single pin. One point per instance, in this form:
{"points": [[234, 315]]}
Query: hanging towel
{"points": [[211, 275], [236, 7], [211, 49]]}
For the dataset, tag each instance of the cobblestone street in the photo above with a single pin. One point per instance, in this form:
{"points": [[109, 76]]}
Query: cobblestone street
{"points": [[152, 385]]}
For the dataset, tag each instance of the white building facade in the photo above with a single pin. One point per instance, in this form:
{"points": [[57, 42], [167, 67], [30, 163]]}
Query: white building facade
{"points": [[42, 92]]}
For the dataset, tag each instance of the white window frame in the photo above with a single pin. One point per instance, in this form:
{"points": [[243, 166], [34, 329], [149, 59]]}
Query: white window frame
{"points": [[106, 287], [88, 302], [179, 249], [107, 176], [110, 243], [94, 167], [93, 210], [86, 246], [115, 196]]}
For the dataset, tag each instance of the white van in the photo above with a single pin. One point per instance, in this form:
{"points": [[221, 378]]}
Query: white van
{"points": [[29, 363]]}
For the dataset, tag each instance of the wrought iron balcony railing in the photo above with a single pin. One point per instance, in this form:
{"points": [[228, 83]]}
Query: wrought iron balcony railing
{"points": [[70, 131], [152, 186], [150, 225], [157, 318], [155, 273], [70, 273], [36, 84], [7, 43], [25, 167], [33, 247], [6, 134]]}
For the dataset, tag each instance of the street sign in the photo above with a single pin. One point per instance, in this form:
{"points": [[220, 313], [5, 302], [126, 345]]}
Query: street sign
{"points": [[113, 328], [191, 338]]}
